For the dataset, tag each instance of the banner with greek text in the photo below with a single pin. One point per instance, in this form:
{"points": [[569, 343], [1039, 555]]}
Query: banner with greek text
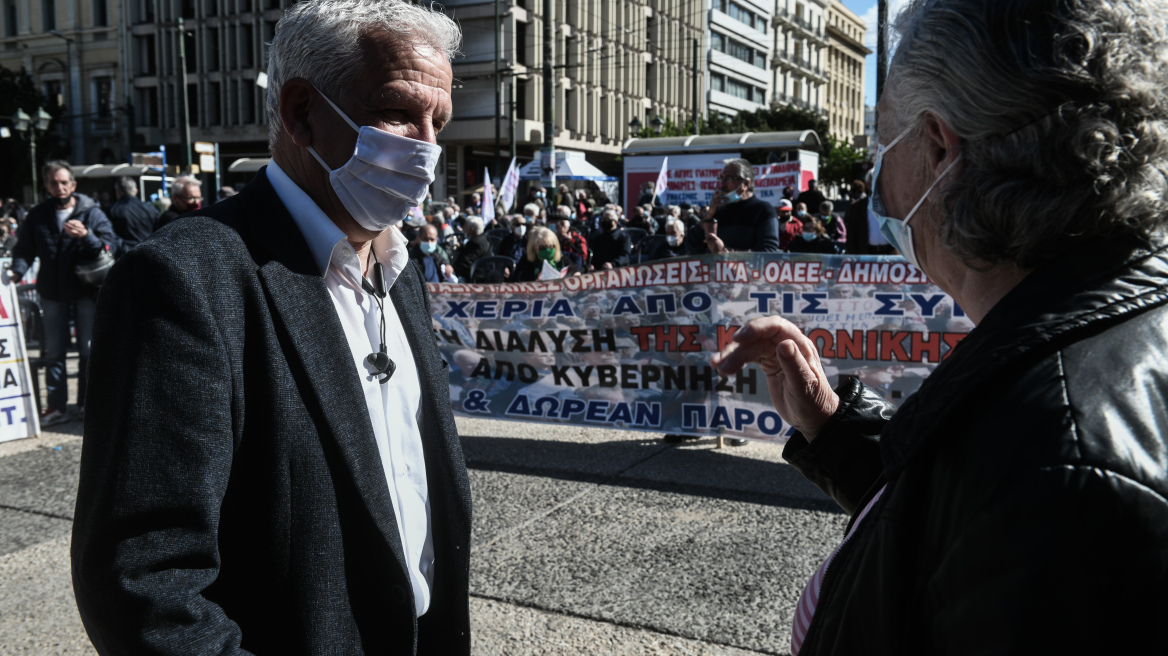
{"points": [[630, 347], [18, 409]]}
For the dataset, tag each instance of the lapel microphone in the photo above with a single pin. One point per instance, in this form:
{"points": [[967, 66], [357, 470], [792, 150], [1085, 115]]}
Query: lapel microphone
{"points": [[379, 361]]}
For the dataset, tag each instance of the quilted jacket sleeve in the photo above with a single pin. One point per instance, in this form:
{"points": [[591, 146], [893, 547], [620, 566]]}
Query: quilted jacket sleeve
{"points": [[844, 459]]}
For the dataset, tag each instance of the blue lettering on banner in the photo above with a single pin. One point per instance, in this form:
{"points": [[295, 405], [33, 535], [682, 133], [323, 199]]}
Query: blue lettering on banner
{"points": [[697, 301], [928, 303], [788, 302], [595, 412], [721, 418], [625, 305], [888, 305], [551, 403], [8, 413], [485, 309], [764, 300], [742, 418], [667, 301], [457, 309], [571, 407], [776, 423], [622, 413], [512, 308], [814, 302], [693, 415], [519, 406], [561, 308]]}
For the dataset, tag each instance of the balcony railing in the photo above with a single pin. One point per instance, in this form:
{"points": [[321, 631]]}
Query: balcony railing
{"points": [[799, 22], [800, 62]]}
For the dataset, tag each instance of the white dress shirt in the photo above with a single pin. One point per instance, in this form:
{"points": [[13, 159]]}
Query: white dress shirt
{"points": [[394, 406]]}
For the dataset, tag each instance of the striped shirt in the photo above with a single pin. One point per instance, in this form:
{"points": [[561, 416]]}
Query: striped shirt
{"points": [[810, 597]]}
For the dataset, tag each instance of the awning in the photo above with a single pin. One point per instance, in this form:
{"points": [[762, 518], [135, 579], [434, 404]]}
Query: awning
{"points": [[713, 143], [570, 165], [112, 170], [248, 164]]}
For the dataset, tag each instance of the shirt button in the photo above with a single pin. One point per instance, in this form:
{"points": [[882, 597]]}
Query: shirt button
{"points": [[347, 252]]}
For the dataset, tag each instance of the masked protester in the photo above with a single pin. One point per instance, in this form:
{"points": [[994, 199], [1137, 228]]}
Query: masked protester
{"points": [[186, 196], [543, 246]]}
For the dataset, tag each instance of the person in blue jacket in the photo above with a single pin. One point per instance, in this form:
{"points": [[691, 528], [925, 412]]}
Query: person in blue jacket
{"points": [[63, 230]]}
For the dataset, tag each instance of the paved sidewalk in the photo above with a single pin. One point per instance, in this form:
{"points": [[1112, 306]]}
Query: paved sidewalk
{"points": [[585, 542]]}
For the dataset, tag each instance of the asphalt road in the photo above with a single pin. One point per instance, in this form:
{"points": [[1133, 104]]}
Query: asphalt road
{"points": [[585, 542]]}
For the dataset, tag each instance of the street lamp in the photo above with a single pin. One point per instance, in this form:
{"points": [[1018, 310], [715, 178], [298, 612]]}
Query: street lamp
{"points": [[78, 139], [635, 125], [658, 124], [30, 125]]}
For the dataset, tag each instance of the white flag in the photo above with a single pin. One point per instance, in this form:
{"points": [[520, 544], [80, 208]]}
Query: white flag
{"points": [[510, 186], [488, 211], [662, 180]]}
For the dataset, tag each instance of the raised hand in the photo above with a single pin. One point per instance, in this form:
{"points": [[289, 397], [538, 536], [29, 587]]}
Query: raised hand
{"points": [[798, 387]]}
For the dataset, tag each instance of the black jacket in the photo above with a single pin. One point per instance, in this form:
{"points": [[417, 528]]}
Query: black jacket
{"points": [[232, 498], [472, 251], [613, 247], [749, 225], [133, 221], [1026, 509], [41, 236]]}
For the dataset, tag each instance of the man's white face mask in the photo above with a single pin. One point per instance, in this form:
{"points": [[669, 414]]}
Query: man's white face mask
{"points": [[386, 177]]}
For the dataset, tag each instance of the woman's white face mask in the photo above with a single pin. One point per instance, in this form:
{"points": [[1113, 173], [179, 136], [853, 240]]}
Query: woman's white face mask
{"points": [[387, 176]]}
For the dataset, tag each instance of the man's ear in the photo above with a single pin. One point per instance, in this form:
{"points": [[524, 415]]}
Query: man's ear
{"points": [[939, 142], [297, 98]]}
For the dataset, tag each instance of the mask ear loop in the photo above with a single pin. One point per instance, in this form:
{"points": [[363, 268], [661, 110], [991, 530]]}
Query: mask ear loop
{"points": [[343, 115]]}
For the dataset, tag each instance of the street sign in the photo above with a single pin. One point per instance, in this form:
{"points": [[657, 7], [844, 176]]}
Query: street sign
{"points": [[18, 408], [207, 163], [204, 148]]}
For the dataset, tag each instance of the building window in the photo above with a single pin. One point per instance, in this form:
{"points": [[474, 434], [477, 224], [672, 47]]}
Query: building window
{"points": [[717, 42], [213, 99], [246, 46], [211, 8], [54, 92], [48, 15], [521, 43], [191, 51], [11, 26], [212, 49], [717, 82], [144, 54], [247, 102], [738, 89], [103, 96], [193, 104], [100, 13]]}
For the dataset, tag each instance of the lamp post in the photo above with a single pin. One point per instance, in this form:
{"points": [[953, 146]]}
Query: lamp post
{"points": [[30, 126], [635, 126], [658, 124], [78, 139]]}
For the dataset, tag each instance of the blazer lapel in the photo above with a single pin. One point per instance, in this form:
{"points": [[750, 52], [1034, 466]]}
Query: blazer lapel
{"points": [[301, 305]]}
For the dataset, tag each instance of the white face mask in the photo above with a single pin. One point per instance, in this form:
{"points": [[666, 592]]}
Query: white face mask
{"points": [[386, 177], [673, 240], [519, 230], [897, 231]]}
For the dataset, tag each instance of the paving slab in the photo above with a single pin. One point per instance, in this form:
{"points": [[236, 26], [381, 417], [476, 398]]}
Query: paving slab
{"points": [[504, 629], [42, 480], [718, 571], [20, 529], [36, 594]]}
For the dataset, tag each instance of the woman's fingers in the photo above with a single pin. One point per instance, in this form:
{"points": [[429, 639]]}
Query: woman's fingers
{"points": [[754, 342]]}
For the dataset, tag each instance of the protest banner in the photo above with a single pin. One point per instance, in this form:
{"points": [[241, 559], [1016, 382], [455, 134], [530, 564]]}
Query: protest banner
{"points": [[693, 179], [630, 347], [18, 409]]}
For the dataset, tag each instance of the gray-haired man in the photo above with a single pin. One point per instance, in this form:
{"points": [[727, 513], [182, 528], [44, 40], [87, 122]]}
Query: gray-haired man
{"points": [[133, 219], [275, 468]]}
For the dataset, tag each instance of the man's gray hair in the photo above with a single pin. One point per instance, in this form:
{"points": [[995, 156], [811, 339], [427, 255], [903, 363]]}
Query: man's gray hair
{"points": [[1062, 111], [563, 212], [744, 170], [181, 183], [609, 215], [473, 225], [55, 165], [127, 185], [320, 42], [531, 208]]}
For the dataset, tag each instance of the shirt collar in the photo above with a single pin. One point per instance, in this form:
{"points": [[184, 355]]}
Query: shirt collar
{"points": [[326, 242]]}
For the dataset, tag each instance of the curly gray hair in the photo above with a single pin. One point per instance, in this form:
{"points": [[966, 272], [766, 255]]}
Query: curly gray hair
{"points": [[320, 42], [744, 170], [1062, 109]]}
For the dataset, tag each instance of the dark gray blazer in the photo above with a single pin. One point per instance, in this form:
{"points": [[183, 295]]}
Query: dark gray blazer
{"points": [[232, 498]]}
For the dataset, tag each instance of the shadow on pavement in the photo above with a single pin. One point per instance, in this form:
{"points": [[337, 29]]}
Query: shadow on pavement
{"points": [[650, 464]]}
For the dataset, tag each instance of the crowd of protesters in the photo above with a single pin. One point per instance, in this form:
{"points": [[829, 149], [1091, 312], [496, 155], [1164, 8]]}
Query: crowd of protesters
{"points": [[578, 231]]}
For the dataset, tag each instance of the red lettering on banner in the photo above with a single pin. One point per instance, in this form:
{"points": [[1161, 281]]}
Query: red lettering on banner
{"points": [[891, 346], [827, 350], [926, 344], [725, 335], [690, 342]]}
